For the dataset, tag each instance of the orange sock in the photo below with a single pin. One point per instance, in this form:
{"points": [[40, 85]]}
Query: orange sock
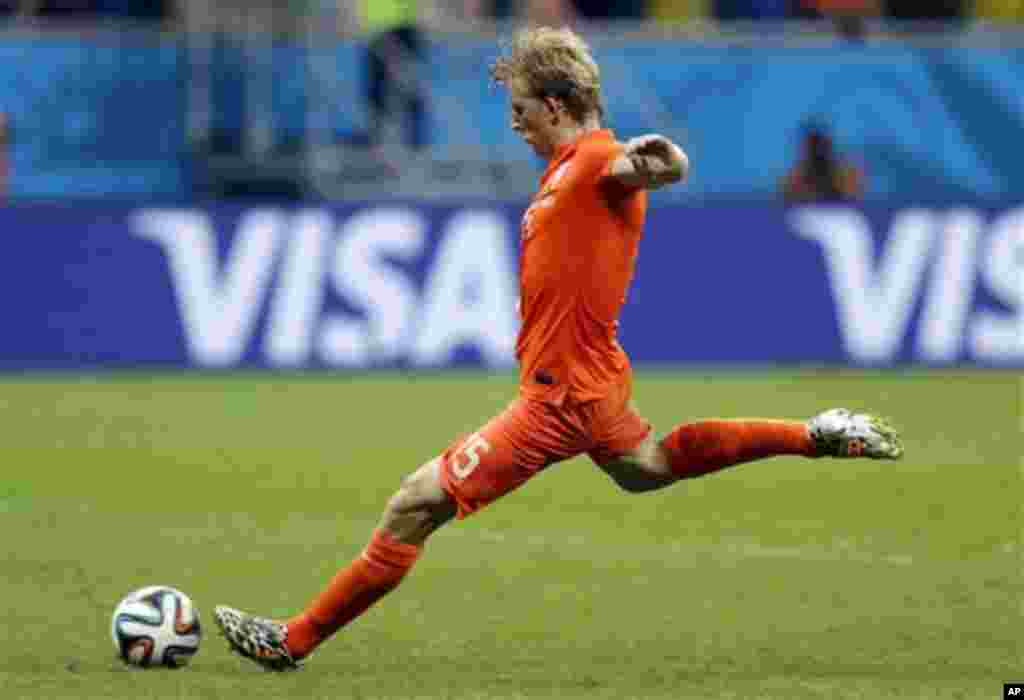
{"points": [[706, 446], [380, 568]]}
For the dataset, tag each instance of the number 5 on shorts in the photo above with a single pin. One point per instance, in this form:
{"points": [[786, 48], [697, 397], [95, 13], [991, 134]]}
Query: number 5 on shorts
{"points": [[474, 444]]}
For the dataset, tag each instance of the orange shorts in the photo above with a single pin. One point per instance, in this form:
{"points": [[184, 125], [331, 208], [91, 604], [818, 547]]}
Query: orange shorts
{"points": [[528, 436]]}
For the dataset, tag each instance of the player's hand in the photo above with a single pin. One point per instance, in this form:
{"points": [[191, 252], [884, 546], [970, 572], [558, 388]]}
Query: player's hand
{"points": [[657, 158]]}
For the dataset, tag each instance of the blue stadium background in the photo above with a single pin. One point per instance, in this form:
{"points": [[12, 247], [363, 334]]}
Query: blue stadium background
{"points": [[104, 185], [107, 115]]}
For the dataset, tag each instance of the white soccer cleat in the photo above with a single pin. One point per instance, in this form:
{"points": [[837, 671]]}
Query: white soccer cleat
{"points": [[256, 638], [840, 433]]}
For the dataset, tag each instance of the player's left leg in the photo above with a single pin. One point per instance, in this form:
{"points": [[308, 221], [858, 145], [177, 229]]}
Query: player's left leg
{"points": [[638, 461], [702, 447]]}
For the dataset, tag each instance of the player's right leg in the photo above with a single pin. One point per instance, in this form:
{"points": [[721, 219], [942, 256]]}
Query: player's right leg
{"points": [[473, 472], [417, 509]]}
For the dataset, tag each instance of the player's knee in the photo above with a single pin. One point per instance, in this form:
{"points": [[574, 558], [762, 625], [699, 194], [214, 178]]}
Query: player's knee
{"points": [[419, 506], [404, 513], [640, 472], [641, 484], [412, 495]]}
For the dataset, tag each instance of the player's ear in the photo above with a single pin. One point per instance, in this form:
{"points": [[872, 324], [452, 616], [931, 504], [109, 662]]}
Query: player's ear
{"points": [[555, 107]]}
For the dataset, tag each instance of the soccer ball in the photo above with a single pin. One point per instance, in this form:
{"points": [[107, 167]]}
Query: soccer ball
{"points": [[156, 626]]}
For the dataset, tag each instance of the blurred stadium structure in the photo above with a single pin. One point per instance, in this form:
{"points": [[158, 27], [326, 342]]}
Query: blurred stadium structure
{"points": [[266, 98], [241, 127]]}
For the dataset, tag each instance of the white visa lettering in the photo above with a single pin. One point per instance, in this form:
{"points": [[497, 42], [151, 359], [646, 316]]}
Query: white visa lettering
{"points": [[948, 302], [295, 309], [470, 294], [874, 303], [999, 336], [218, 310], [364, 274]]}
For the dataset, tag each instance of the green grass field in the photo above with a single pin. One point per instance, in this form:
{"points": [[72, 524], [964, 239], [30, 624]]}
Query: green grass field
{"points": [[784, 579]]}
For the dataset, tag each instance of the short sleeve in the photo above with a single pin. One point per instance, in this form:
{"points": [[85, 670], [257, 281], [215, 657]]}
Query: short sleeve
{"points": [[596, 160]]}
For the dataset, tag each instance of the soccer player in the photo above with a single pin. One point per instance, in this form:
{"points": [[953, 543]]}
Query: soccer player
{"points": [[578, 247]]}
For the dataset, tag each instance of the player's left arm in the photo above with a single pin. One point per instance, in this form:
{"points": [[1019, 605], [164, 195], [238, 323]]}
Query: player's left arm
{"points": [[649, 162]]}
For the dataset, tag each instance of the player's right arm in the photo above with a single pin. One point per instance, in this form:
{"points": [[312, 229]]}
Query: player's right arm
{"points": [[649, 162]]}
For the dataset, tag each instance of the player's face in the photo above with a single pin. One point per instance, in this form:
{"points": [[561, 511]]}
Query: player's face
{"points": [[531, 119]]}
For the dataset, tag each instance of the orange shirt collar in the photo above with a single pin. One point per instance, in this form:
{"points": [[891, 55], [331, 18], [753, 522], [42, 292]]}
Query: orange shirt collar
{"points": [[563, 152]]}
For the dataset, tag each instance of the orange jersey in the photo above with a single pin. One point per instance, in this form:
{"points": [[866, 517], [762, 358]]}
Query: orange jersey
{"points": [[578, 251]]}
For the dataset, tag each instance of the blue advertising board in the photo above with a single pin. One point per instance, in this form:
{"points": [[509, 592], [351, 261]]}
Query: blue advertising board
{"points": [[413, 285]]}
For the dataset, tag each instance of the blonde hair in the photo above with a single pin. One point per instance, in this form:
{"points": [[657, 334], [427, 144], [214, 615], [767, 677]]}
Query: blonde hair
{"points": [[553, 63]]}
